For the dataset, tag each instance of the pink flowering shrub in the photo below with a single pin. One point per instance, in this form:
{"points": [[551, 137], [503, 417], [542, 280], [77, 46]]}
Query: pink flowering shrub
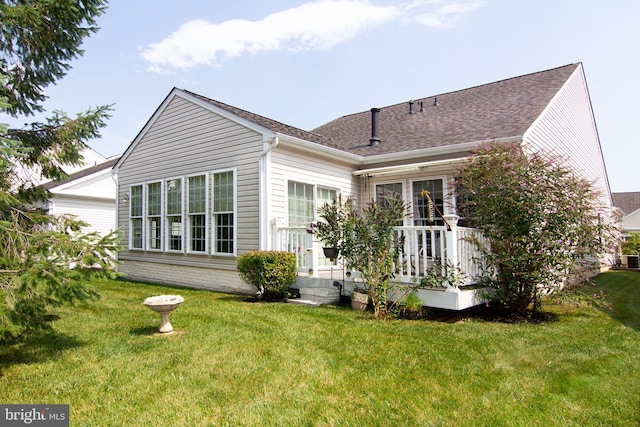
{"points": [[543, 222]]}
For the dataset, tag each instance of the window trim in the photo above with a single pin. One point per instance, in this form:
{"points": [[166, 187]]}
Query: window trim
{"points": [[207, 210], [166, 216], [213, 225], [141, 217], [445, 191], [147, 243]]}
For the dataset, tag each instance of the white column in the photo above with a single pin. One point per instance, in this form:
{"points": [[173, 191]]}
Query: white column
{"points": [[451, 239]]}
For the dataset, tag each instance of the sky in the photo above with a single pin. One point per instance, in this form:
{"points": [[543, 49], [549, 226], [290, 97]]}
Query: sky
{"points": [[305, 63]]}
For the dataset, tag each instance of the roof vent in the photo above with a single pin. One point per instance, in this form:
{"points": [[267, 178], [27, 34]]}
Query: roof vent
{"points": [[411, 106], [375, 137]]}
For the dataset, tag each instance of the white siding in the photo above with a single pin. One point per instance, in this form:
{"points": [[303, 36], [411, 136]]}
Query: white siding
{"points": [[292, 165], [631, 222], [184, 139], [100, 215], [99, 185], [567, 127]]}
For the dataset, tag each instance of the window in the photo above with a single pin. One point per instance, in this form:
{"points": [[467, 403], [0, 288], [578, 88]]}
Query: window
{"points": [[135, 215], [223, 212], [154, 218], [196, 213], [384, 191], [173, 191], [389, 190], [422, 214], [301, 211], [302, 206], [326, 195]]}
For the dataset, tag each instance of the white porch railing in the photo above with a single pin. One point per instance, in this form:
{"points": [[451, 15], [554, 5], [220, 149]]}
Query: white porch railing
{"points": [[423, 248]]}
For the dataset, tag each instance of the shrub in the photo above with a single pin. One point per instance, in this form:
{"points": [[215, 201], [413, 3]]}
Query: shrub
{"points": [[271, 272], [542, 221], [632, 245]]}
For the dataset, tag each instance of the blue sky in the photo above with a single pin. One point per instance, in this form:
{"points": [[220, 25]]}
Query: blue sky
{"points": [[307, 62]]}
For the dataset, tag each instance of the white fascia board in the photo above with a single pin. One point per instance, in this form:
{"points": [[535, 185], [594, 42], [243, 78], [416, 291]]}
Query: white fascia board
{"points": [[78, 181], [434, 151], [81, 197], [319, 148]]}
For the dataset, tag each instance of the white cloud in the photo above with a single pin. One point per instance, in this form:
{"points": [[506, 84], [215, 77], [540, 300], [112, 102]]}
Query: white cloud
{"points": [[444, 14], [316, 25]]}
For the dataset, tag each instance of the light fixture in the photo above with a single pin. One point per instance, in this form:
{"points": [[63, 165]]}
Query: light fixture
{"points": [[126, 197]]}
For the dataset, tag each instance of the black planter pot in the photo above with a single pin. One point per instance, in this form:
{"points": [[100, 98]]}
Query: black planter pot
{"points": [[331, 253]]}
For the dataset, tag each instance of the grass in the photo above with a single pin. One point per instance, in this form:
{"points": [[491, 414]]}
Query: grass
{"points": [[235, 363]]}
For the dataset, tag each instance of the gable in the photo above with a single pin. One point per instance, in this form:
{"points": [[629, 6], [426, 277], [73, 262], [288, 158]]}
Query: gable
{"points": [[631, 222], [188, 136], [99, 185], [567, 128]]}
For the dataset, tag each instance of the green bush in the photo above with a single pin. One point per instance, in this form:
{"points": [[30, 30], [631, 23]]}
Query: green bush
{"points": [[632, 245], [271, 272]]}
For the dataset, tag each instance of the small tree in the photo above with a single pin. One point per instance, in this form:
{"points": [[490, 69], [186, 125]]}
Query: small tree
{"points": [[366, 242], [542, 222]]}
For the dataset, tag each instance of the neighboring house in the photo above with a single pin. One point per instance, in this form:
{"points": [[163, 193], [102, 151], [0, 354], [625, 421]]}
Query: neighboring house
{"points": [[629, 204], [33, 175], [204, 181], [89, 194]]}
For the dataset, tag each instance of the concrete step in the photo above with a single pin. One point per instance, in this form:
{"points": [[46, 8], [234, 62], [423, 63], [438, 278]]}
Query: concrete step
{"points": [[318, 295], [300, 301]]}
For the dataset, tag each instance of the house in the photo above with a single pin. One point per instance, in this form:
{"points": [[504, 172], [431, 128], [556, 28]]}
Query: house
{"points": [[89, 194], [629, 204], [204, 181]]}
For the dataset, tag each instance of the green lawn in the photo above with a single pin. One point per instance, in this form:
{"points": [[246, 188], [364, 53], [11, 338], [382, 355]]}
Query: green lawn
{"points": [[236, 363]]}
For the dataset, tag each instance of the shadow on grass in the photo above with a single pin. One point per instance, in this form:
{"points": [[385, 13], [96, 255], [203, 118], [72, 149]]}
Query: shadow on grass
{"points": [[144, 330], [490, 314], [36, 347], [621, 294]]}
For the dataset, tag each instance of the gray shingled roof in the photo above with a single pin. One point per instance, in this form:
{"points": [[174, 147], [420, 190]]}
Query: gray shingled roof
{"points": [[503, 109], [629, 202], [267, 123], [82, 173]]}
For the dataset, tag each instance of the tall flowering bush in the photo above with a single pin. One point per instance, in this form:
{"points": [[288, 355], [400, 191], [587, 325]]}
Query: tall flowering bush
{"points": [[543, 223], [366, 242]]}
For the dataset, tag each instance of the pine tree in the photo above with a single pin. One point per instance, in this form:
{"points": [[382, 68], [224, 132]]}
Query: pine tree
{"points": [[45, 260]]}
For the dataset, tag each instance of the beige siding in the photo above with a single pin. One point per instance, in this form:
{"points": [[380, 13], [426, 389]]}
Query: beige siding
{"points": [[183, 275], [567, 127], [188, 139]]}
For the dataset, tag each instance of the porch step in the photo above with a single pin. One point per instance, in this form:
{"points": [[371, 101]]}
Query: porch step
{"points": [[301, 301], [317, 296]]}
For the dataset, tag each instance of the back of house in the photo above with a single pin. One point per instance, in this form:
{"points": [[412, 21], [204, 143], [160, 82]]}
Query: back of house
{"points": [[204, 182]]}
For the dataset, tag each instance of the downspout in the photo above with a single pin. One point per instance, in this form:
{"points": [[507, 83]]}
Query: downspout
{"points": [[114, 176], [263, 197]]}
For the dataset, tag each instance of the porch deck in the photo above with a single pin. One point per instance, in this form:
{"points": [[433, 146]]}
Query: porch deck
{"points": [[424, 249]]}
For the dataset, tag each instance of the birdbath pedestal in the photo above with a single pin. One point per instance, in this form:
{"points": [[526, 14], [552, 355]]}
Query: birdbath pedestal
{"points": [[164, 305]]}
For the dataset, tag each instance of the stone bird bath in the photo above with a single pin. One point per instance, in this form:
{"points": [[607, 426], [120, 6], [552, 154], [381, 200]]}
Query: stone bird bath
{"points": [[164, 305]]}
